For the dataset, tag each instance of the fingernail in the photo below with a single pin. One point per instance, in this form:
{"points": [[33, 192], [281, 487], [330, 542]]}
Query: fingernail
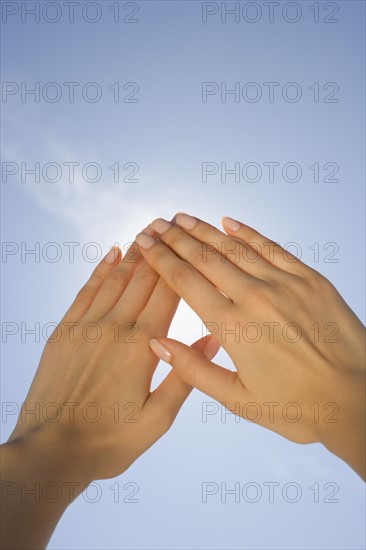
{"points": [[161, 351], [230, 224], [211, 347], [148, 230], [174, 218], [112, 255], [160, 226], [145, 241], [185, 221]]}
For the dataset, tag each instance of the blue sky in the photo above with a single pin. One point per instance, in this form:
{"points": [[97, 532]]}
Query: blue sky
{"points": [[168, 134]]}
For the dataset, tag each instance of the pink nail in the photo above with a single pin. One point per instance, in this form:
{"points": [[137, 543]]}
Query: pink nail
{"points": [[230, 224], [161, 351], [112, 255], [185, 221], [145, 241], [160, 226]]}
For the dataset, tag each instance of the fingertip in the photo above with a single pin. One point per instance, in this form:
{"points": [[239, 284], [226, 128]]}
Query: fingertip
{"points": [[174, 218], [211, 347], [145, 241], [113, 255], [149, 230], [160, 350], [230, 224], [207, 345]]}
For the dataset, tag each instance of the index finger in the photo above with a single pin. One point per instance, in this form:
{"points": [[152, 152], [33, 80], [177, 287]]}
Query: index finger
{"points": [[206, 300]]}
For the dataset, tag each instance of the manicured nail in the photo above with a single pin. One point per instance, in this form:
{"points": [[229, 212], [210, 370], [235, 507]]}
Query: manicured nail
{"points": [[230, 224], [112, 255], [148, 230], [160, 226], [185, 221], [161, 351], [145, 241], [174, 218], [211, 347]]}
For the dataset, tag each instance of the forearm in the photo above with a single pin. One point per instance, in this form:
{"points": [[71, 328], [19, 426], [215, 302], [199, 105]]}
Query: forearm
{"points": [[345, 435], [349, 444], [36, 489]]}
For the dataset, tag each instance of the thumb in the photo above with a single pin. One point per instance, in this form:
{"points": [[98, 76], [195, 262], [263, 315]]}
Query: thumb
{"points": [[207, 345], [170, 395], [195, 369]]}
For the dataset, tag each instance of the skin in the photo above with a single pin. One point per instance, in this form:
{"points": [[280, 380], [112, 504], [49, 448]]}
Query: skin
{"points": [[131, 303], [241, 278], [127, 302]]}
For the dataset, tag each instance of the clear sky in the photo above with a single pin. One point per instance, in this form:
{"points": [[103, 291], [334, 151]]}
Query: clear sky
{"points": [[145, 89]]}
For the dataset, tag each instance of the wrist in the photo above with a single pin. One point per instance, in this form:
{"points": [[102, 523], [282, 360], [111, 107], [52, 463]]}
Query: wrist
{"points": [[345, 436], [37, 485], [40, 465]]}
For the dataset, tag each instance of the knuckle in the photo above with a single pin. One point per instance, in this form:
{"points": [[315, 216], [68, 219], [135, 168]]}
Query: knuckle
{"points": [[200, 252], [159, 253], [175, 238], [319, 282], [116, 277], [97, 275], [147, 274], [182, 274], [266, 248], [85, 294], [208, 232], [274, 249]]}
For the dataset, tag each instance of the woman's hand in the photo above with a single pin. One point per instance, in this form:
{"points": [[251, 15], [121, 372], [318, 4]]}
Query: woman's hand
{"points": [[297, 347], [89, 412]]}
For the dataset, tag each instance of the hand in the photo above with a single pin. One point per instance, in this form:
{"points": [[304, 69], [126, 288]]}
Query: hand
{"points": [[297, 347], [100, 354], [96, 413]]}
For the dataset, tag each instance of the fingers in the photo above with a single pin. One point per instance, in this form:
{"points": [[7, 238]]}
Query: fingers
{"points": [[272, 252], [161, 307], [181, 277], [195, 369], [87, 294], [205, 256], [114, 284], [118, 279], [235, 251], [127, 288], [164, 403], [136, 294]]}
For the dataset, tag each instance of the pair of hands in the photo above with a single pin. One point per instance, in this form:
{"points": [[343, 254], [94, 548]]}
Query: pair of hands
{"points": [[296, 345]]}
